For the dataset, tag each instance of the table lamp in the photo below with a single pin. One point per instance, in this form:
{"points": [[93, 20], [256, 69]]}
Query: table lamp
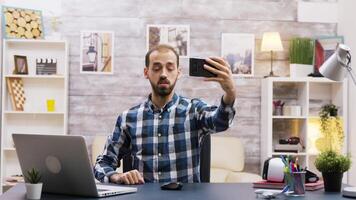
{"points": [[271, 41], [334, 68]]}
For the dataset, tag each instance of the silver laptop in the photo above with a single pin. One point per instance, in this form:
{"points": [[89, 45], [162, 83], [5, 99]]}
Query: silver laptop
{"points": [[64, 164]]}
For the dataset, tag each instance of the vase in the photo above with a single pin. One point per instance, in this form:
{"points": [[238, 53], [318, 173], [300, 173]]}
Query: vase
{"points": [[300, 70], [332, 181], [33, 191]]}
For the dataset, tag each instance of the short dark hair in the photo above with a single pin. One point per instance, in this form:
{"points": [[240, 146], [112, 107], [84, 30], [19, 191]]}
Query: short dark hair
{"points": [[160, 47]]}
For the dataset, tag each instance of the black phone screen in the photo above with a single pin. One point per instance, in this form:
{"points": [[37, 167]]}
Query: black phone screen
{"points": [[196, 68]]}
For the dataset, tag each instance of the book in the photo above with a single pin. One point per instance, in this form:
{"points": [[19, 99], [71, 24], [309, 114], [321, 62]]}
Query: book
{"points": [[279, 185], [314, 186], [15, 178], [293, 148], [268, 185]]}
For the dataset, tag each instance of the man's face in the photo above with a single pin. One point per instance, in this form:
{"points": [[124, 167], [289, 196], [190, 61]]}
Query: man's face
{"points": [[162, 72]]}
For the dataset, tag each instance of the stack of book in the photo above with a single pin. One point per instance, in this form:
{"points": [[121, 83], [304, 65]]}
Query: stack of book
{"points": [[292, 148], [13, 180], [276, 185]]}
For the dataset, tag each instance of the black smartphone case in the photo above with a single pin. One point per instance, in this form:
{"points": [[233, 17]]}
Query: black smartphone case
{"points": [[196, 68]]}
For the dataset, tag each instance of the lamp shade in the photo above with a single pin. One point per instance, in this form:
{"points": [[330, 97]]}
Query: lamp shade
{"points": [[335, 67], [271, 41]]}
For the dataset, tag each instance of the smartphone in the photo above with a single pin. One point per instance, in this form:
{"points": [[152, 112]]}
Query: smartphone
{"points": [[196, 68], [172, 186]]}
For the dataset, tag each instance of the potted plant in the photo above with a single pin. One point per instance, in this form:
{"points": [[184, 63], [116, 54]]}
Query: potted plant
{"points": [[301, 54], [332, 133], [332, 165], [33, 185], [330, 162]]}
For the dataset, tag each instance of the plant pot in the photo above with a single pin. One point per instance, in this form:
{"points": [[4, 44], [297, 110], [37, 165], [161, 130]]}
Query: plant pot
{"points": [[332, 181], [300, 70], [33, 191], [333, 113]]}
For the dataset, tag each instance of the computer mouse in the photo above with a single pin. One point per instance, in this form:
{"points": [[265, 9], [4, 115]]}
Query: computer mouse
{"points": [[172, 186]]}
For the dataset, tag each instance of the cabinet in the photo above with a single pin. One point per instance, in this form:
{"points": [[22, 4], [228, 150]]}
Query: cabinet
{"points": [[307, 95], [40, 89]]}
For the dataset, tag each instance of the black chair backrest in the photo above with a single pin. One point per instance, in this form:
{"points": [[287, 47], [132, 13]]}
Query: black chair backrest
{"points": [[205, 152]]}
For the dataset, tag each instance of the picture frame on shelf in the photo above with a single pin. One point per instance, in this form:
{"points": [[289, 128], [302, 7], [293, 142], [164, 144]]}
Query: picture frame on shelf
{"points": [[97, 52], [324, 47], [177, 36], [238, 50], [21, 66], [22, 23]]}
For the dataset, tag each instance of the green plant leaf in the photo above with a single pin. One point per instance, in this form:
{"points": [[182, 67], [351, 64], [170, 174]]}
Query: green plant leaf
{"points": [[301, 51], [331, 161], [33, 176]]}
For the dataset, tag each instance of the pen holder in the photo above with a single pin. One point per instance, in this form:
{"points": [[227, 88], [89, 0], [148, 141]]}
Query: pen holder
{"points": [[296, 183]]}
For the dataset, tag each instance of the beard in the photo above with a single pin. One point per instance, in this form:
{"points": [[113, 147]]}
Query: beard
{"points": [[163, 87]]}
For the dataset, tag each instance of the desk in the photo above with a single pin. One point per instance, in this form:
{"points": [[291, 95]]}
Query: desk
{"points": [[193, 191]]}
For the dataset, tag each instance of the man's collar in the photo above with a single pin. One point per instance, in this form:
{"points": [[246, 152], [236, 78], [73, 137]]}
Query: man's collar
{"points": [[169, 106]]}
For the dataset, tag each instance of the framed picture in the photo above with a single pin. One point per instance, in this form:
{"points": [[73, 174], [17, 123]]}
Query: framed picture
{"points": [[324, 48], [20, 64], [22, 23], [97, 52], [177, 36], [238, 50]]}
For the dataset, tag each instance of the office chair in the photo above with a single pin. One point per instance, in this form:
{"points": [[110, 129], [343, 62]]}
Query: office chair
{"points": [[205, 151]]}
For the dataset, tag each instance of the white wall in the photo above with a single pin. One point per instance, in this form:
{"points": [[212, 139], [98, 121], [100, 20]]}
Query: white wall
{"points": [[347, 28]]}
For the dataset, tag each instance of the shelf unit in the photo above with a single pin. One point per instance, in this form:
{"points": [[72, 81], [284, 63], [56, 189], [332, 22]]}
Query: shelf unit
{"points": [[310, 94], [35, 118]]}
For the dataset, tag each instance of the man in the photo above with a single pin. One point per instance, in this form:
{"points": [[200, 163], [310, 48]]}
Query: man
{"points": [[163, 133]]}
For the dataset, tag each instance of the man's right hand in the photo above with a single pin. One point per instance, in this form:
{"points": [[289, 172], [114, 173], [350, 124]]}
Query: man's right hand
{"points": [[129, 178]]}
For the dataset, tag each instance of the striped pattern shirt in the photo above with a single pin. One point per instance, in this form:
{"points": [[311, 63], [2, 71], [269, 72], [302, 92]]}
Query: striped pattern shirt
{"points": [[164, 143]]}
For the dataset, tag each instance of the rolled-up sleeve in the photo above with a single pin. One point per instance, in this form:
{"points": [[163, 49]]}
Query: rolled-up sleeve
{"points": [[115, 148], [214, 119]]}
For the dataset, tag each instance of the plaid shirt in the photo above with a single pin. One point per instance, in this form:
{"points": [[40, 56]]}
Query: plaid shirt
{"points": [[164, 143]]}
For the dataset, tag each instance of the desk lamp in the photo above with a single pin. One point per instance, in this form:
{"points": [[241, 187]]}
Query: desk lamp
{"points": [[334, 68], [337, 64], [271, 41]]}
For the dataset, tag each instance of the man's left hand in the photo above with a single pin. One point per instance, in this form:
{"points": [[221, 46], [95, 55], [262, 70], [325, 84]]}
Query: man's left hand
{"points": [[224, 77]]}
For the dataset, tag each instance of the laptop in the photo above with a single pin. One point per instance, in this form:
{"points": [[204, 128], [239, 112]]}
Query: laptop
{"points": [[64, 164]]}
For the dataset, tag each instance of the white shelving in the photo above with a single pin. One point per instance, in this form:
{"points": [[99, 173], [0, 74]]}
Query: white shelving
{"points": [[288, 117], [308, 93], [35, 118]]}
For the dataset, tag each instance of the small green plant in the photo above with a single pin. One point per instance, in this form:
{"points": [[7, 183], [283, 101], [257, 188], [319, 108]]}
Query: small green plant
{"points": [[301, 51], [33, 176], [331, 161]]}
